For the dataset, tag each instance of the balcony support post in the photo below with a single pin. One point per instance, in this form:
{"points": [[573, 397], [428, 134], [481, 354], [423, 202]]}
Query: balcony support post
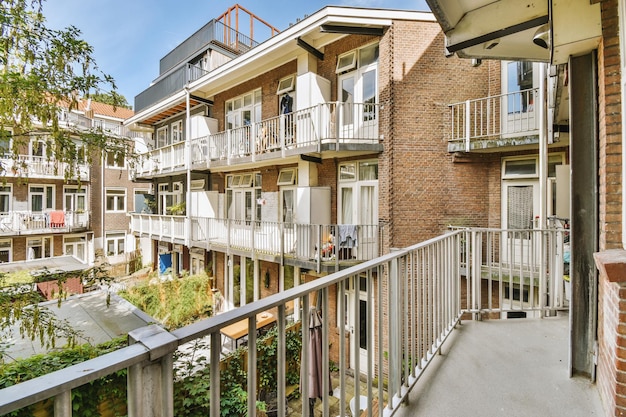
{"points": [[394, 328], [467, 126], [188, 204], [63, 404], [151, 383]]}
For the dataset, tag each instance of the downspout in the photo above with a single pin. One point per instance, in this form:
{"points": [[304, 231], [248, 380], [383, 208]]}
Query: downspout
{"points": [[543, 148], [188, 164]]}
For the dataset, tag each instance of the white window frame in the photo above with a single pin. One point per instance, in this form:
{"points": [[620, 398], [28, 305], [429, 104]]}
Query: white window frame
{"points": [[117, 157], [350, 64], [8, 248], [46, 203], [75, 241], [286, 176], [47, 246], [235, 108], [116, 194], [177, 133], [286, 85], [7, 191], [75, 193], [115, 237], [551, 157], [162, 137]]}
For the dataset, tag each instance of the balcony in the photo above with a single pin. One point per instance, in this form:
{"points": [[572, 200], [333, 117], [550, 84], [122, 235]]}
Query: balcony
{"points": [[417, 349], [271, 241], [29, 166], [493, 123], [325, 127], [214, 35], [30, 223]]}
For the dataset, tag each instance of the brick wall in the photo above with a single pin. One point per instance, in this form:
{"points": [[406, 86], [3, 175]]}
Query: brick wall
{"points": [[611, 370]]}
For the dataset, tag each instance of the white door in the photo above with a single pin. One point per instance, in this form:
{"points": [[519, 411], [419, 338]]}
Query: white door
{"points": [[357, 108], [520, 206], [518, 107], [358, 328]]}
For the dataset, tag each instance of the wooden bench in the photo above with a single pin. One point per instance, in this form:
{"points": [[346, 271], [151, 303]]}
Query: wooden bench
{"points": [[374, 409]]}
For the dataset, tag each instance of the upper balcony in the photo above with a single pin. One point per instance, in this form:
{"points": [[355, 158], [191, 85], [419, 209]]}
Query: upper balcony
{"points": [[215, 35], [334, 127], [29, 166], [49, 222], [409, 310], [320, 247], [496, 123]]}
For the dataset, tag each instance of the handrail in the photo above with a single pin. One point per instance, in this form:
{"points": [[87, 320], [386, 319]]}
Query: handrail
{"points": [[426, 282]]}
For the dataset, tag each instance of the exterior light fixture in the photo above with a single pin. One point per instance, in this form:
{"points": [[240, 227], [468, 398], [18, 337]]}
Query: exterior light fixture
{"points": [[542, 36]]}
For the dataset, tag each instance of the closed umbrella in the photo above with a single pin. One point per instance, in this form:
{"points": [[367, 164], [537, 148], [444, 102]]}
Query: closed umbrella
{"points": [[314, 370]]}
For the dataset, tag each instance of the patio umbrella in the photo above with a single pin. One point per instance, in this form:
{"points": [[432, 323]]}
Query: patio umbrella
{"points": [[315, 367]]}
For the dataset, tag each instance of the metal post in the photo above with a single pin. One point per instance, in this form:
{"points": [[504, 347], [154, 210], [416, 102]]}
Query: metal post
{"points": [[467, 126]]}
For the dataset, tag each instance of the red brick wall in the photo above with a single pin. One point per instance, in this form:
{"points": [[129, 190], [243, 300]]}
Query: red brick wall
{"points": [[611, 370], [50, 289]]}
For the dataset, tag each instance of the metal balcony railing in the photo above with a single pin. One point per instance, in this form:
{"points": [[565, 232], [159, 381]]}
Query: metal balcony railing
{"points": [[161, 227], [494, 117], [413, 299], [330, 124]]}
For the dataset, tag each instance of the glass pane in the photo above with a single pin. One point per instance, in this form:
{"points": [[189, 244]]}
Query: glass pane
{"points": [[346, 205], [36, 202], [369, 95], [4, 256], [347, 172], [49, 202], [368, 171], [347, 97], [521, 167], [368, 55]]}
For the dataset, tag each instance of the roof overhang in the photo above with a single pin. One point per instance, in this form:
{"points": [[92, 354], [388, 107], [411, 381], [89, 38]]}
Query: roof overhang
{"points": [[281, 49], [545, 31]]}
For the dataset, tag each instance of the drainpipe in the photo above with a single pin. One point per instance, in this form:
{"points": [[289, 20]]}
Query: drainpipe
{"points": [[188, 165], [543, 148]]}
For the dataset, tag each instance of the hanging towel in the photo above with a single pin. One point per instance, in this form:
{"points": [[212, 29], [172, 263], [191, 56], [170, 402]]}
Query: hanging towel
{"points": [[347, 236], [57, 219]]}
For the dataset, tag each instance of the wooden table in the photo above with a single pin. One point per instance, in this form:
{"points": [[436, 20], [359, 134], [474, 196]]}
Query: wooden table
{"points": [[237, 331]]}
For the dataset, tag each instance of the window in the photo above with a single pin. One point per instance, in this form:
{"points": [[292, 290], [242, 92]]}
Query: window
{"points": [[286, 85], [287, 177], [244, 110], [76, 246], [346, 62], [75, 199], [5, 199], [162, 137], [529, 167], [39, 248], [241, 198], [6, 250], [170, 195], [41, 197], [38, 147], [519, 79], [144, 201], [177, 131], [6, 138], [116, 200], [358, 193], [115, 243], [115, 159]]}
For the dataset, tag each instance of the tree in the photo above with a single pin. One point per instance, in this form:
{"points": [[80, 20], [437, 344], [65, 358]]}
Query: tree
{"points": [[111, 98], [44, 72]]}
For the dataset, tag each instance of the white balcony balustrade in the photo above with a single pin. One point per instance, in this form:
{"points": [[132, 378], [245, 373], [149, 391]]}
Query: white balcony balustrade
{"points": [[494, 118], [28, 166], [52, 221], [327, 126]]}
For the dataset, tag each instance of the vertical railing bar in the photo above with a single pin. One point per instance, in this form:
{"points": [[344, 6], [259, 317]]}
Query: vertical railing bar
{"points": [[281, 357]]}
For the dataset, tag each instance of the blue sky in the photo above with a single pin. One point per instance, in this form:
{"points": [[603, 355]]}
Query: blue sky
{"points": [[129, 37]]}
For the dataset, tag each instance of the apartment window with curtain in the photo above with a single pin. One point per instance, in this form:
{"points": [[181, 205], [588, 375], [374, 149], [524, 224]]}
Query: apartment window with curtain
{"points": [[39, 247], [114, 159], [115, 243], [6, 250], [6, 194], [40, 197]]}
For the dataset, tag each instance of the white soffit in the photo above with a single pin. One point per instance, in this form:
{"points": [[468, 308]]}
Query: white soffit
{"points": [[576, 28]]}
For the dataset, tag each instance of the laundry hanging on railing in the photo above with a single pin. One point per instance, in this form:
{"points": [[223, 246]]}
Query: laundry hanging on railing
{"points": [[57, 218], [348, 237]]}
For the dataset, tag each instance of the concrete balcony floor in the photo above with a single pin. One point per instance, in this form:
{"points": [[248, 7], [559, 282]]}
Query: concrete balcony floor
{"points": [[516, 367]]}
